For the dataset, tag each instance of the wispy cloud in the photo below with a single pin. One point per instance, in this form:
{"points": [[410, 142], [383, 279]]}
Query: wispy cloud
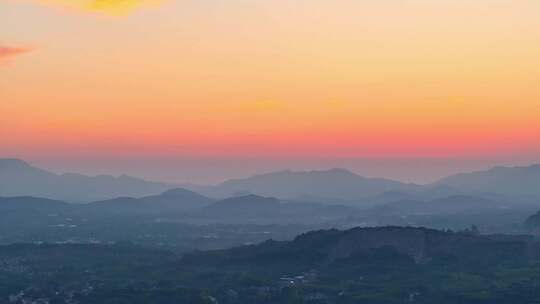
{"points": [[9, 51], [109, 7]]}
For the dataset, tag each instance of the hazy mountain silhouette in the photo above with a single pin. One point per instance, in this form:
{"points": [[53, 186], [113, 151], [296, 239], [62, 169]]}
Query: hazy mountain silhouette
{"points": [[424, 193], [174, 200], [338, 186], [334, 184], [251, 207], [28, 203], [512, 181], [179, 197], [18, 178], [449, 205]]}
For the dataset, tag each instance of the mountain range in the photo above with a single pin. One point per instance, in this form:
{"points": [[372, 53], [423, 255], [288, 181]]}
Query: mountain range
{"points": [[334, 184], [508, 184], [511, 185], [175, 200], [511, 181], [178, 203], [18, 178], [260, 209], [448, 205]]}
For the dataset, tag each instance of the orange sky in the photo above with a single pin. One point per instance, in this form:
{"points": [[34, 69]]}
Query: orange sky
{"points": [[385, 78]]}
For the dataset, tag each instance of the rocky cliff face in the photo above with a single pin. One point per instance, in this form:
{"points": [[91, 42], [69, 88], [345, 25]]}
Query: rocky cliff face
{"points": [[533, 223], [423, 244], [328, 247]]}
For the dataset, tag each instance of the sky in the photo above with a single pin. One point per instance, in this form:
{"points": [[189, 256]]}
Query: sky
{"points": [[204, 90]]}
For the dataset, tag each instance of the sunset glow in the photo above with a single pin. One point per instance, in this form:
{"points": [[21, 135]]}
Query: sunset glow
{"points": [[232, 78], [112, 7]]}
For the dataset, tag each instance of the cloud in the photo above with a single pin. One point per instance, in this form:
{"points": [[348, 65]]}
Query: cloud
{"points": [[109, 7], [119, 6], [8, 51]]}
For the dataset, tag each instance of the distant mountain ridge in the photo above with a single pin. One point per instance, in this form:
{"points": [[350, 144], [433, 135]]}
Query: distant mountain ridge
{"points": [[509, 184], [180, 204], [18, 178], [26, 203], [517, 181], [336, 186], [175, 200], [450, 205], [322, 185], [257, 208]]}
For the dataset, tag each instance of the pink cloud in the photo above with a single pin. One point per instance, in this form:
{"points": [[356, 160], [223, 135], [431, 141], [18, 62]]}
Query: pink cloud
{"points": [[8, 51]]}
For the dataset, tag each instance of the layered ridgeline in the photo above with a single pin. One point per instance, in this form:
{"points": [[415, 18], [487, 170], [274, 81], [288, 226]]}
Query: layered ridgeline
{"points": [[371, 265], [175, 200], [456, 204], [193, 207], [18, 178], [511, 181], [184, 220], [321, 186], [507, 184], [178, 204], [169, 202], [268, 210], [177, 219]]}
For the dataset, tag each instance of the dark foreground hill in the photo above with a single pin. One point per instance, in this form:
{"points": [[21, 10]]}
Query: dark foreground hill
{"points": [[370, 265], [330, 248]]}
